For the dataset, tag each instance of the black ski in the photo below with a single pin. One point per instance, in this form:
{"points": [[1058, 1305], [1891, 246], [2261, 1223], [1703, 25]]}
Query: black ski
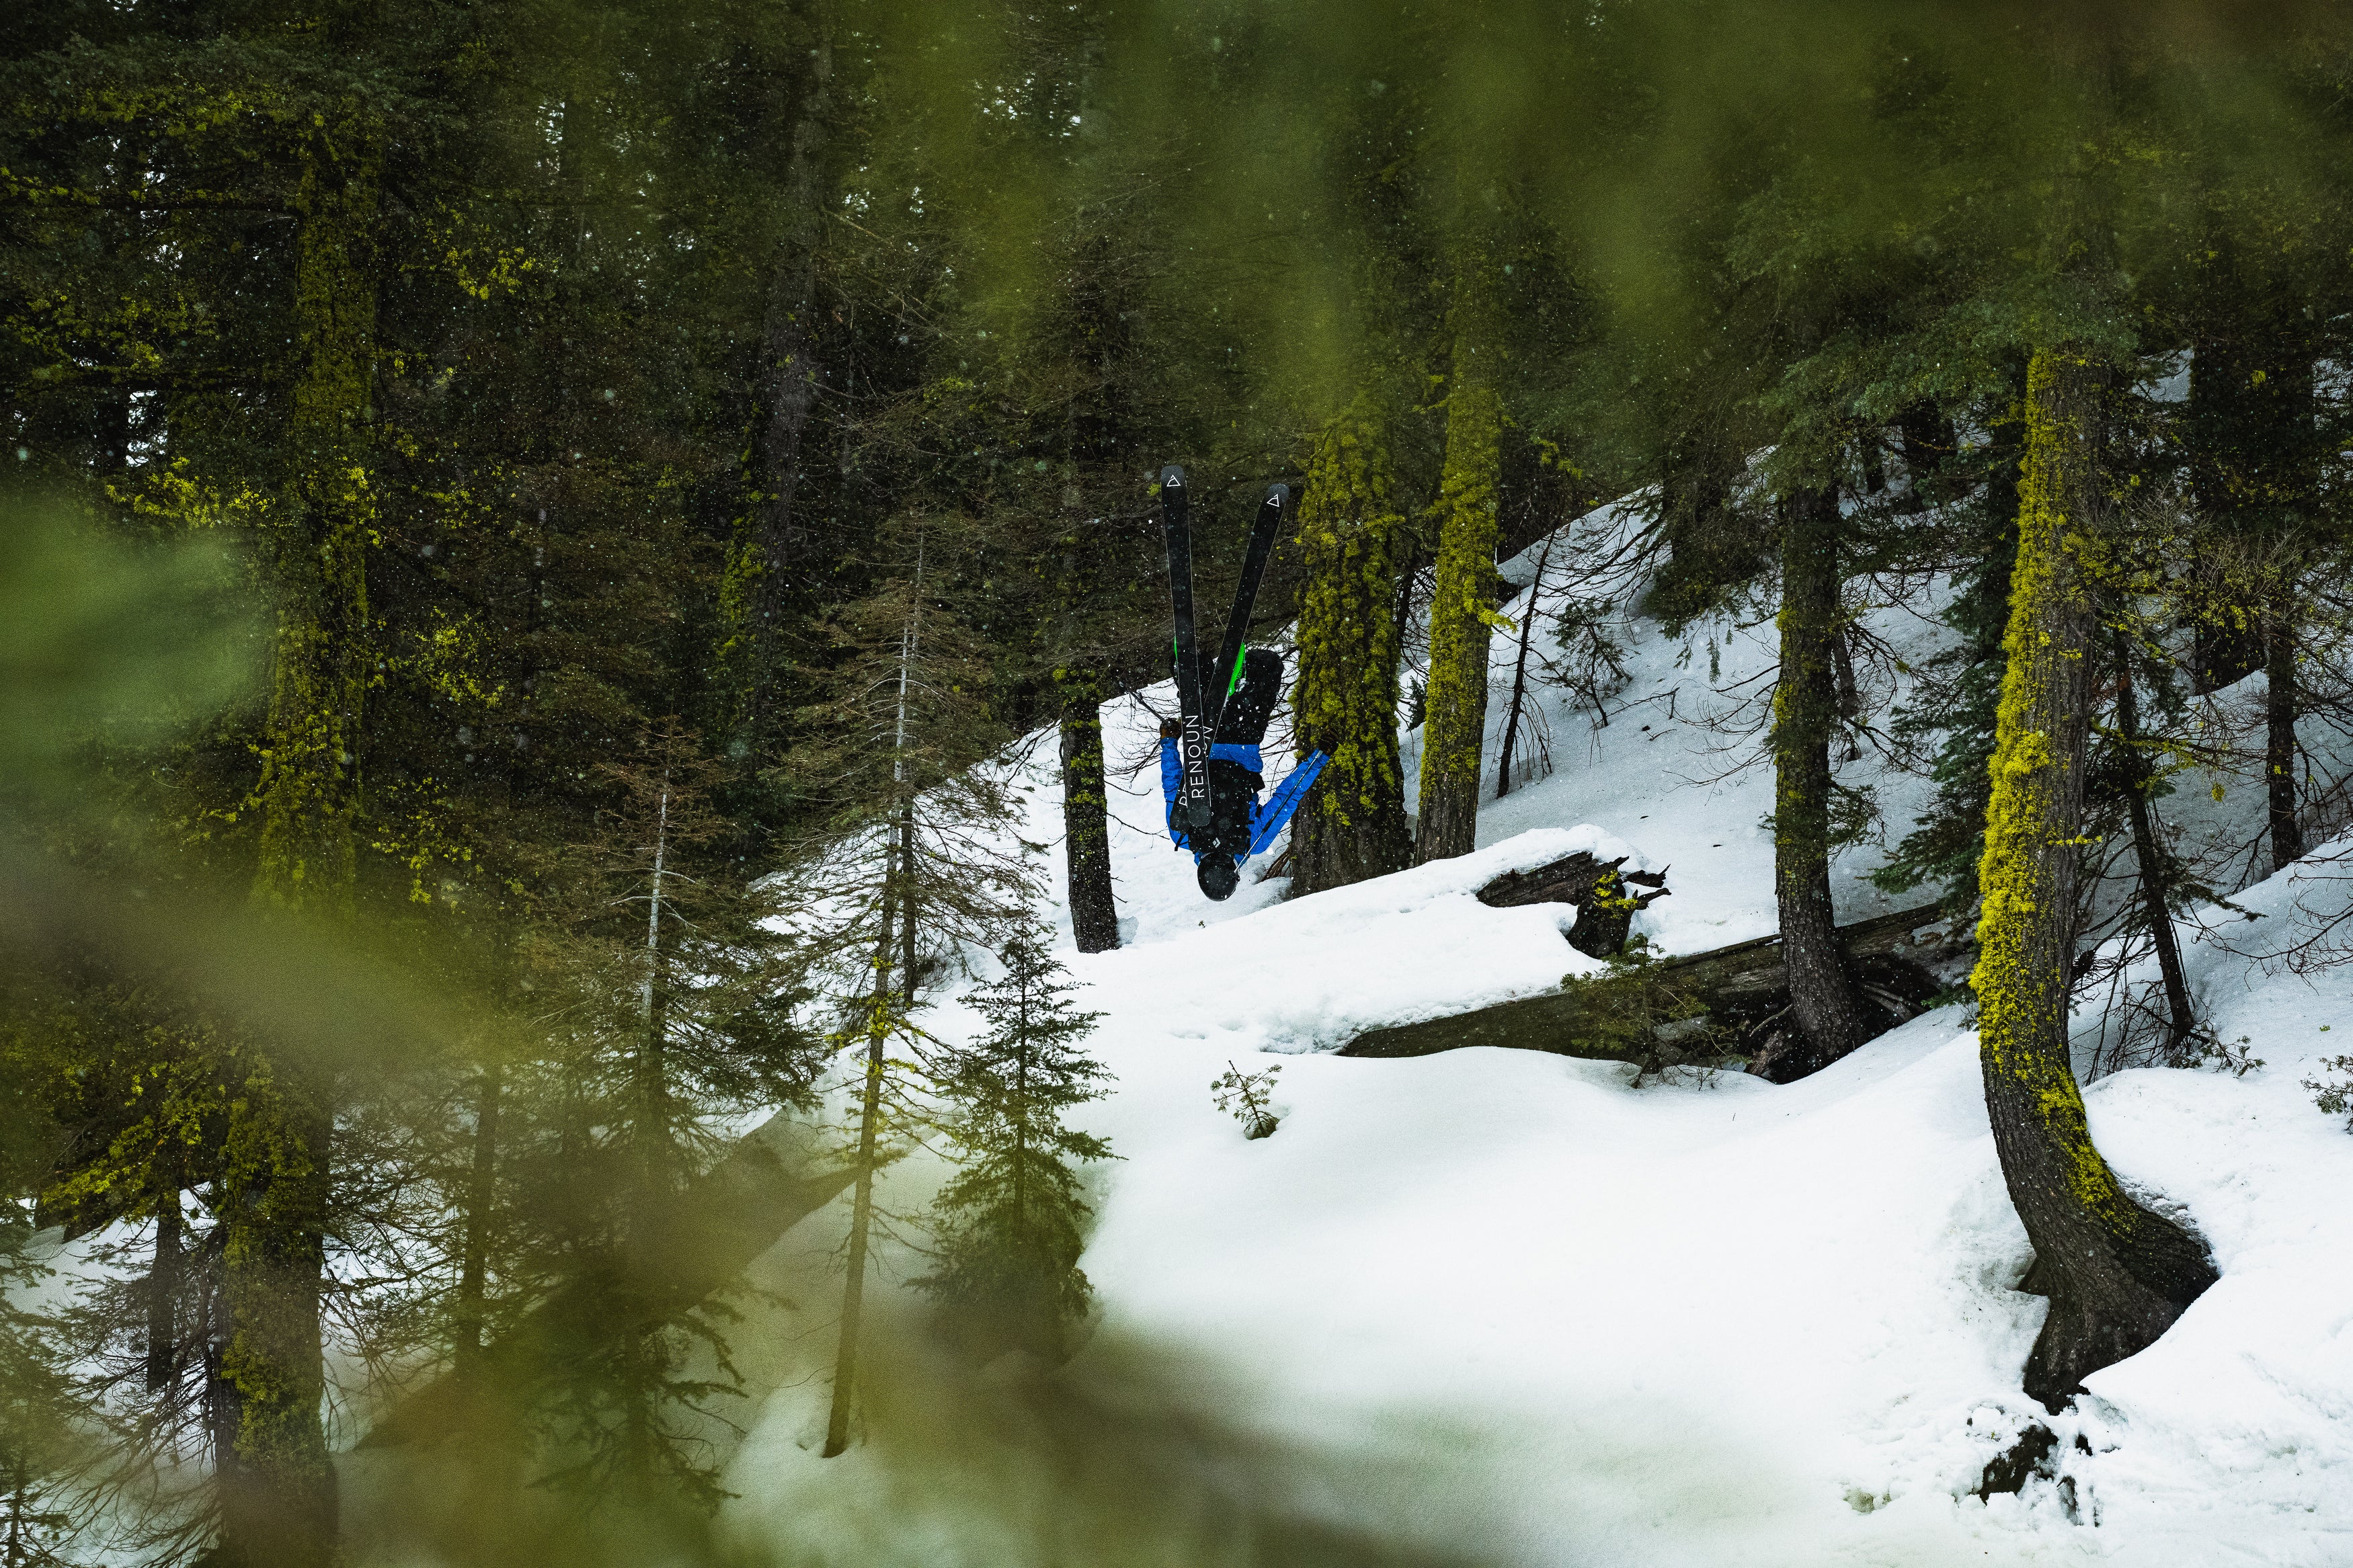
{"points": [[1261, 545], [1192, 744]]}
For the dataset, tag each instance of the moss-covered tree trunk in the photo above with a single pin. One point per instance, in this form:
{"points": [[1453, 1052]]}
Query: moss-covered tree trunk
{"points": [[1462, 618], [275, 1482], [1086, 828], [1353, 824], [1805, 715], [276, 1487], [2117, 1275]]}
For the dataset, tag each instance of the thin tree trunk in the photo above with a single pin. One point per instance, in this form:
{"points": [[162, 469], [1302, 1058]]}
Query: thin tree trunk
{"points": [[862, 1208], [481, 1197], [1821, 991], [652, 1130], [907, 952], [2117, 1274], [1520, 678], [2150, 857], [164, 1276], [1462, 614], [2279, 729], [1086, 828]]}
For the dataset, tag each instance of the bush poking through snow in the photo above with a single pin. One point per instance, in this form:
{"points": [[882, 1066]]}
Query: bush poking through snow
{"points": [[1248, 1097], [1633, 1013], [2334, 1093]]}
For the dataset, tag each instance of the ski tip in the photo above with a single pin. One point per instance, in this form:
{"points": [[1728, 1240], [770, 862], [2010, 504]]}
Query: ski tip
{"points": [[1278, 496], [1172, 477]]}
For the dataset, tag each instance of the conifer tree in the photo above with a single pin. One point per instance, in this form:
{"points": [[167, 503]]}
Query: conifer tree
{"points": [[2117, 1274], [1463, 609], [1805, 702], [1352, 826], [912, 843], [1007, 1274]]}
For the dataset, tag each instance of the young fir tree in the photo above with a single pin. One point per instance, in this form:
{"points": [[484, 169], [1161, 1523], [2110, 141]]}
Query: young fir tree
{"points": [[1352, 825], [1006, 1273], [910, 846], [676, 1022]]}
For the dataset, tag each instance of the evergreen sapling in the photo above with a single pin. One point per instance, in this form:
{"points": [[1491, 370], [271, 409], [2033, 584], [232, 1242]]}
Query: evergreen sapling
{"points": [[1007, 1275]]}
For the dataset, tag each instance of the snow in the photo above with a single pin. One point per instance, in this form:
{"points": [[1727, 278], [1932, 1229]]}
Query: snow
{"points": [[1502, 1307]]}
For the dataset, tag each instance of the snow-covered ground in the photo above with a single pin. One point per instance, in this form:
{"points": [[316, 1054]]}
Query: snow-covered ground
{"points": [[1499, 1307]]}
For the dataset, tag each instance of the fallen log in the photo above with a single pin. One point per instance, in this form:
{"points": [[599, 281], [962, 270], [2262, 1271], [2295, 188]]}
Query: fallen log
{"points": [[1744, 986]]}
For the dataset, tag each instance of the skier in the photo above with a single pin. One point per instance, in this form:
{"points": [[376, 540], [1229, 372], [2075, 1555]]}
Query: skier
{"points": [[1240, 825], [1209, 766]]}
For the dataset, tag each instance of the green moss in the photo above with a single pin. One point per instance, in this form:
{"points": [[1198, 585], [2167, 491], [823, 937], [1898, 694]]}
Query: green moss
{"points": [[1462, 614], [1345, 699], [2031, 824], [308, 790]]}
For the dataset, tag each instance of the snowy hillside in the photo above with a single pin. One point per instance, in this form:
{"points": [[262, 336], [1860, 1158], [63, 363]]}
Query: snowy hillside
{"points": [[1499, 1307]]}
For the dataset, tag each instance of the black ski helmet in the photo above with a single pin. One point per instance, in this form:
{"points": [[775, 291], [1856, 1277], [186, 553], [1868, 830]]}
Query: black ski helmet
{"points": [[1219, 876]]}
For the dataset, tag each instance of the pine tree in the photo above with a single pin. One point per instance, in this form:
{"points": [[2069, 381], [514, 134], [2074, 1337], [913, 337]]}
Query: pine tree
{"points": [[1463, 609], [2117, 1274], [1822, 993], [1007, 1274]]}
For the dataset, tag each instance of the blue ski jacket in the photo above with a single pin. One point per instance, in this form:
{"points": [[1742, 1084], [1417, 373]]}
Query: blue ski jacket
{"points": [[1267, 819]]}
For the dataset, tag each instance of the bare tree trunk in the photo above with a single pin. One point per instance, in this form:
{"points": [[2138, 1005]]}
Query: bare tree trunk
{"points": [[2279, 728], [481, 1198], [2150, 857], [1520, 678], [1821, 991], [862, 1209], [164, 1276], [2117, 1274], [907, 954], [1086, 829]]}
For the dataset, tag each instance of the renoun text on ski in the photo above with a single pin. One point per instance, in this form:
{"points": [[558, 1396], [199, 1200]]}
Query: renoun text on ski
{"points": [[1210, 767]]}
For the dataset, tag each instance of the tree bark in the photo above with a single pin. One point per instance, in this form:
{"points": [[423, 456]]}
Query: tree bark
{"points": [[481, 1197], [1513, 716], [164, 1276], [1821, 991], [1352, 825], [1086, 828], [772, 538], [1462, 614], [278, 1496], [2279, 727], [2149, 856], [862, 1208], [2117, 1274]]}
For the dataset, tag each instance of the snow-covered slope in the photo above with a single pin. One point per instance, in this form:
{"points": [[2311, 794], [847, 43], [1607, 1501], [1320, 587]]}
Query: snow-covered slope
{"points": [[1502, 1307]]}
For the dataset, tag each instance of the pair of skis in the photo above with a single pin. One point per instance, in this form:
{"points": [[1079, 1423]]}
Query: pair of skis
{"points": [[1198, 711]]}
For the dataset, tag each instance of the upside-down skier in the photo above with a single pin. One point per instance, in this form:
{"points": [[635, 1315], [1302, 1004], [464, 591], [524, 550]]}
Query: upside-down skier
{"points": [[1210, 771]]}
